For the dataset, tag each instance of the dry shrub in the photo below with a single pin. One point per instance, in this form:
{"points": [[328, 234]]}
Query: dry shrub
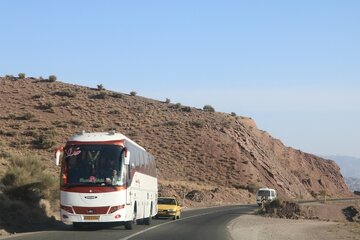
{"points": [[115, 111], [195, 195], [36, 96], [77, 122], [21, 75], [26, 116], [102, 95], [65, 93], [282, 209], [45, 140], [100, 87], [186, 109], [52, 78], [19, 216], [171, 123], [26, 179], [8, 133], [197, 123], [116, 95], [252, 187], [23, 188], [208, 108], [47, 106], [97, 125]]}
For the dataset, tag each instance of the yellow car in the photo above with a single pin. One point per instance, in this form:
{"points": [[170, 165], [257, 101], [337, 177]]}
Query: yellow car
{"points": [[168, 207]]}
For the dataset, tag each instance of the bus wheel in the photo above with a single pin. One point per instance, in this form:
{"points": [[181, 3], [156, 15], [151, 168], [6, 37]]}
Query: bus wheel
{"points": [[147, 220], [128, 225], [77, 225]]}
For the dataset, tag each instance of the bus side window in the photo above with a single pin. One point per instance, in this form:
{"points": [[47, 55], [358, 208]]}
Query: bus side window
{"points": [[148, 164], [136, 159], [129, 172]]}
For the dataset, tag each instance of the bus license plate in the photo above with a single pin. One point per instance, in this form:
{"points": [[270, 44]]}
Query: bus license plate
{"points": [[91, 218]]}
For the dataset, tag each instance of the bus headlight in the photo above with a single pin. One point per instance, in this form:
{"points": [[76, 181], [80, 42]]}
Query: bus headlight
{"points": [[67, 209], [115, 208]]}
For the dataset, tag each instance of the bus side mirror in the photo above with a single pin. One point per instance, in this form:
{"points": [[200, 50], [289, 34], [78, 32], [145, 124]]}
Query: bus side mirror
{"points": [[126, 156], [57, 154]]}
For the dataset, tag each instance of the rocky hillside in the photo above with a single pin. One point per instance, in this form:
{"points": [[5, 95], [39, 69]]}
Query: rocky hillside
{"points": [[349, 166], [202, 156]]}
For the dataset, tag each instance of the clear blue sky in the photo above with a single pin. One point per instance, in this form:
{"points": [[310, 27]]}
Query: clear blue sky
{"points": [[293, 66]]}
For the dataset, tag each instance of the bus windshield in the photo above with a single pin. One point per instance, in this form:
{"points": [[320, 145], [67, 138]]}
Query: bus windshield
{"points": [[92, 165], [263, 193]]}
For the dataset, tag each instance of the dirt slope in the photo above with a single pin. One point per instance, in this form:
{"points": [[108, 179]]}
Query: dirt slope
{"points": [[204, 157]]}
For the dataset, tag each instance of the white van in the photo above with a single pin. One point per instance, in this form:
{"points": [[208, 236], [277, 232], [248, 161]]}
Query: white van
{"points": [[266, 195]]}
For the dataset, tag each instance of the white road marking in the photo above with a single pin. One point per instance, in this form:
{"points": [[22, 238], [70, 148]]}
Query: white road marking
{"points": [[162, 224]]}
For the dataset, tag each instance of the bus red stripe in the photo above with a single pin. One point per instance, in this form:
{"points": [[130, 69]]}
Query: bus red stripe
{"points": [[115, 142], [91, 189]]}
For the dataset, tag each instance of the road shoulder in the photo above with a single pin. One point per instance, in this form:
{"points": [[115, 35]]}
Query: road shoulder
{"points": [[264, 228]]}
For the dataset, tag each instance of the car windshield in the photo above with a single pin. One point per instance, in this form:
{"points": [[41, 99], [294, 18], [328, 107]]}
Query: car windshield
{"points": [[92, 165], [167, 201]]}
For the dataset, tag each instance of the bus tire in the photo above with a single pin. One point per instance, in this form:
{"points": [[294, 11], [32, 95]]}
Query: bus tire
{"points": [[77, 225], [147, 221], [128, 225]]}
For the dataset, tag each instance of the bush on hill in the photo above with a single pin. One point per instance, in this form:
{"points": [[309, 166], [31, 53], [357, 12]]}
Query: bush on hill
{"points": [[52, 78], [21, 75], [100, 87], [25, 192], [65, 93], [208, 108], [45, 140]]}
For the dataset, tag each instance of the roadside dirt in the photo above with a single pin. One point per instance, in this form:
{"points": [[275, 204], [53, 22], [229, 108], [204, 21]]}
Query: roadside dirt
{"points": [[318, 221], [263, 228]]}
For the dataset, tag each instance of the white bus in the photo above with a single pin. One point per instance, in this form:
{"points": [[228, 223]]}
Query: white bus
{"points": [[106, 177]]}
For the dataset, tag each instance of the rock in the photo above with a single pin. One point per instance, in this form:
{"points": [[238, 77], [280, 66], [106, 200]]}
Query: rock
{"points": [[195, 195], [352, 214]]}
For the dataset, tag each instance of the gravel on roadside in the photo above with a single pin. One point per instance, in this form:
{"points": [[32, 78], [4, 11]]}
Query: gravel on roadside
{"points": [[251, 227]]}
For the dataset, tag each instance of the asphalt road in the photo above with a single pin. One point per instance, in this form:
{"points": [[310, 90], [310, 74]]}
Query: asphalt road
{"points": [[209, 223]]}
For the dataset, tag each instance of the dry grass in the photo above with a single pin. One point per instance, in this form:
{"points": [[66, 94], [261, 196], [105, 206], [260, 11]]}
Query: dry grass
{"points": [[26, 189]]}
